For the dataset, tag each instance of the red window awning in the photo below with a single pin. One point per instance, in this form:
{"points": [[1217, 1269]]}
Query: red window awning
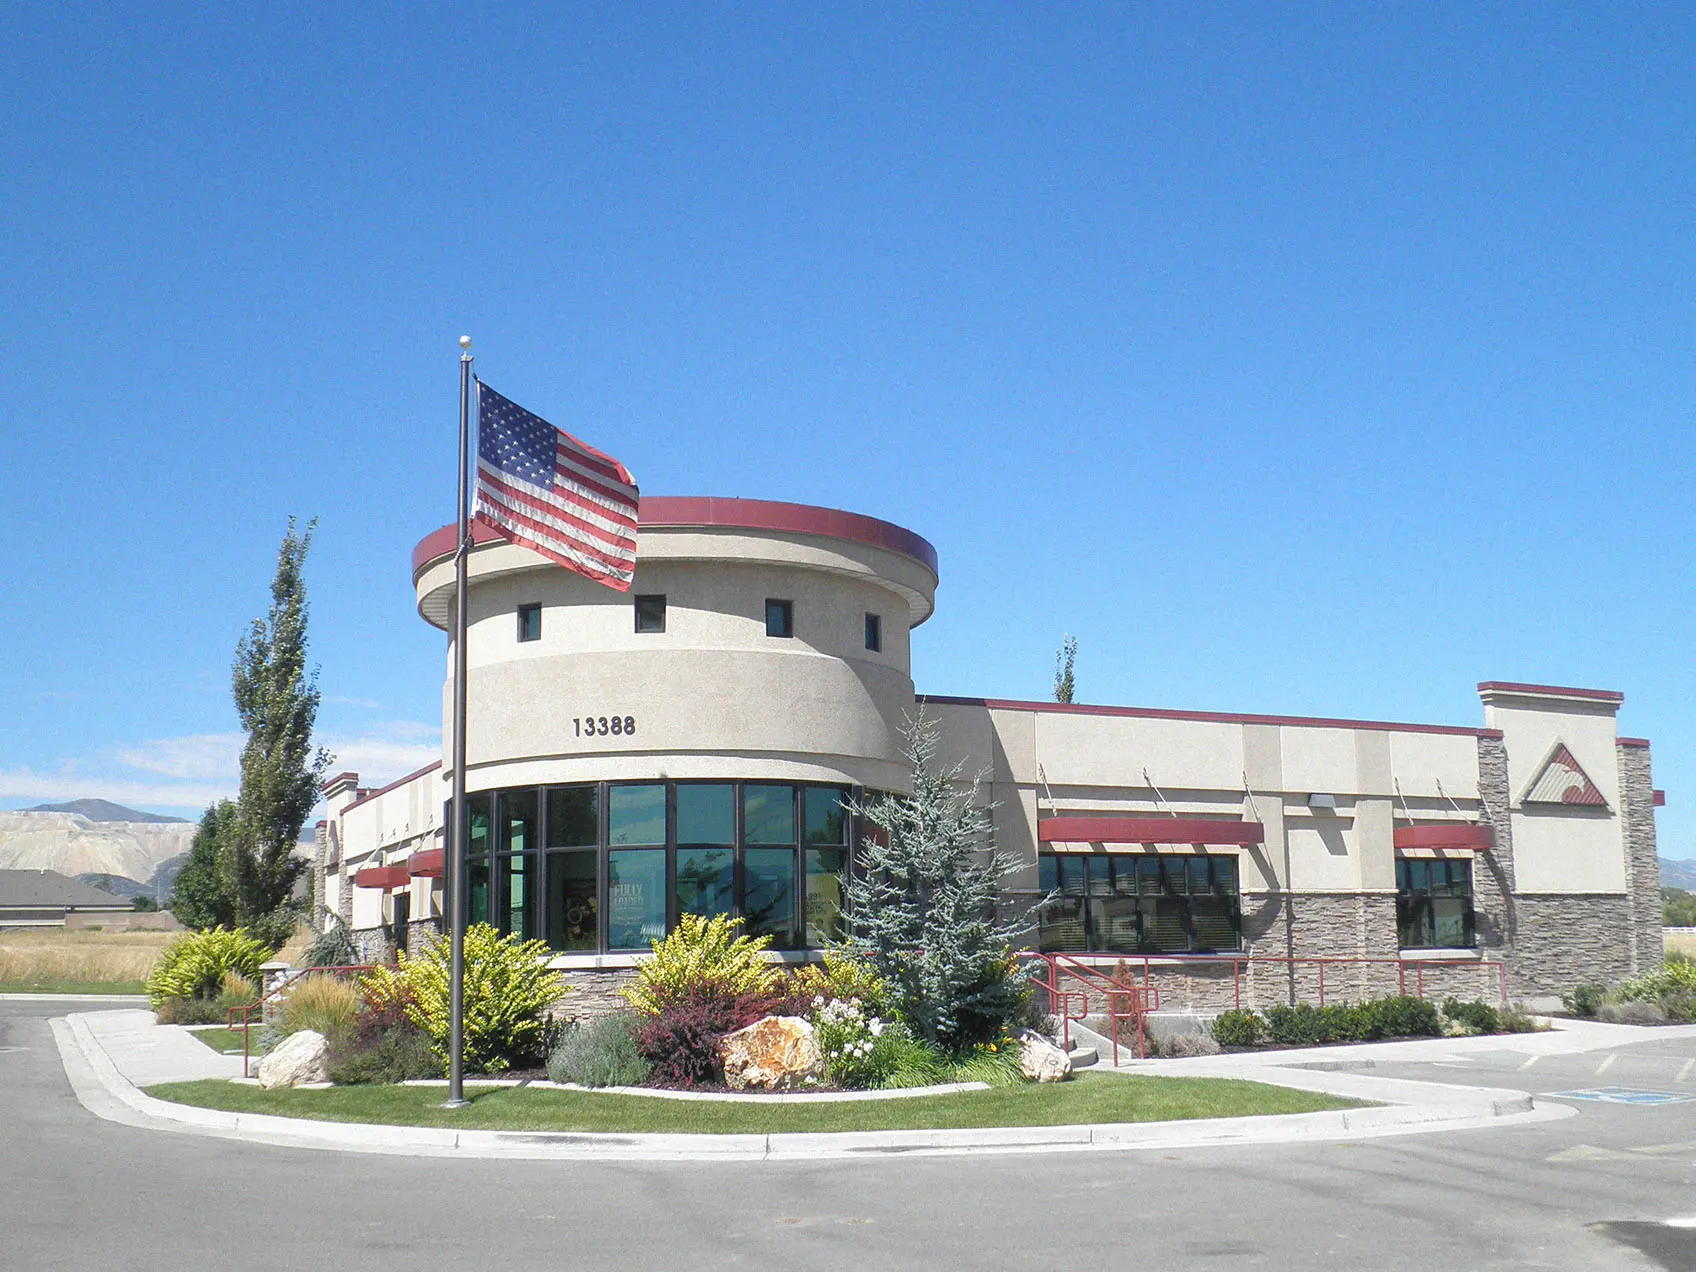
{"points": [[1148, 830], [382, 877], [1446, 835], [427, 864]]}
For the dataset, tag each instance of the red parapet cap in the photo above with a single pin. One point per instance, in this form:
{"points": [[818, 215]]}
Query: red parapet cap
{"points": [[1446, 835], [1487, 688], [1638, 742], [1660, 798], [1148, 830], [715, 513]]}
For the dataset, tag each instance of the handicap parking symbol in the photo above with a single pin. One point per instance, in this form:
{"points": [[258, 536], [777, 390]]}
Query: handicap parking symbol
{"points": [[1621, 1095]]}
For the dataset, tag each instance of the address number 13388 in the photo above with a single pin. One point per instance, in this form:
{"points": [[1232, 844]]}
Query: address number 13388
{"points": [[604, 726]]}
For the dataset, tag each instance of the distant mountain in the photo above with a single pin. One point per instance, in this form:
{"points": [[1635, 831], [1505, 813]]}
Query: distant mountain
{"points": [[72, 843], [1678, 874], [117, 885], [102, 810]]}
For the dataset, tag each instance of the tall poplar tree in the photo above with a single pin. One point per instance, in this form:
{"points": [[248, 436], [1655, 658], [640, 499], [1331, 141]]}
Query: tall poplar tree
{"points": [[281, 772]]}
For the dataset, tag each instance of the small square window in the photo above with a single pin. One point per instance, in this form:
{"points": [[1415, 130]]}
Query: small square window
{"points": [[650, 613], [874, 633], [780, 618], [529, 622]]}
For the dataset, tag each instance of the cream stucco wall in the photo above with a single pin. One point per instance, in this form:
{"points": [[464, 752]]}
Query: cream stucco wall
{"points": [[1558, 849]]}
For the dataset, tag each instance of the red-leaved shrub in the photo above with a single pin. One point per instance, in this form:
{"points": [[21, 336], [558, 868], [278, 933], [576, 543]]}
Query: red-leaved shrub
{"points": [[681, 1043]]}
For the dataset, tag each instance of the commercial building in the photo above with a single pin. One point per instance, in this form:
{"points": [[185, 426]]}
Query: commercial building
{"points": [[696, 745]]}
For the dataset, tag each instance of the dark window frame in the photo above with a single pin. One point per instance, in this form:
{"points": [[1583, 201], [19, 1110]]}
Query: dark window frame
{"points": [[527, 632], [649, 629], [786, 611], [874, 632]]}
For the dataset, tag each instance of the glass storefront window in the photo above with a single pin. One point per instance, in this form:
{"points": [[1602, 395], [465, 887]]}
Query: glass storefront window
{"points": [[1122, 903], [477, 890], [825, 870], [768, 815], [768, 894], [706, 814], [573, 818], [518, 821], [573, 909], [826, 819], [706, 881], [515, 894], [635, 815], [1434, 904], [635, 897], [477, 831]]}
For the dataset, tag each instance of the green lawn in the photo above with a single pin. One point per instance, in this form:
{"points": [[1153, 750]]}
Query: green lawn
{"points": [[226, 1040], [1086, 1098], [71, 987]]}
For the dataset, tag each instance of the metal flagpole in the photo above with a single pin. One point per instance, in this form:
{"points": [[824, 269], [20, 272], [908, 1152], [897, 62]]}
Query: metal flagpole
{"points": [[456, 853]]}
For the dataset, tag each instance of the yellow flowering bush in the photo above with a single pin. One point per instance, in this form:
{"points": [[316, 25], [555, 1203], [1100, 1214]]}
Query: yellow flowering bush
{"points": [[508, 990], [703, 956], [194, 965]]}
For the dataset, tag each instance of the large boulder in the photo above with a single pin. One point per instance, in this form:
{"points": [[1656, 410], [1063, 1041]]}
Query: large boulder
{"points": [[774, 1054], [1039, 1058], [300, 1058]]}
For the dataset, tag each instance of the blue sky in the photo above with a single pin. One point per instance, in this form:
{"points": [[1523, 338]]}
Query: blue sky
{"points": [[1305, 360]]}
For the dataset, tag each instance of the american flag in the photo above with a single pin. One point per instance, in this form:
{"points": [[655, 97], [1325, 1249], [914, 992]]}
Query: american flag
{"points": [[547, 491]]}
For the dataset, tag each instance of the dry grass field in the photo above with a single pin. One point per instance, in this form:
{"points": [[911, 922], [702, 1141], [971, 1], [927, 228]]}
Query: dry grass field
{"points": [[1680, 943], [87, 961]]}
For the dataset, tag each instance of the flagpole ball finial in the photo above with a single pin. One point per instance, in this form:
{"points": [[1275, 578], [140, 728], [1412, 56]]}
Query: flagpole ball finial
{"points": [[465, 342]]}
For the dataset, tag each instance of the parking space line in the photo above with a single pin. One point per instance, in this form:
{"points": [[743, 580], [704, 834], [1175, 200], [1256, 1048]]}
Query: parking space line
{"points": [[1685, 1071], [1606, 1064], [1533, 1060]]}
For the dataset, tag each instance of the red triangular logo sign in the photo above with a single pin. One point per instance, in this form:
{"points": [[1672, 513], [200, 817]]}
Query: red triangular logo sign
{"points": [[1562, 781]]}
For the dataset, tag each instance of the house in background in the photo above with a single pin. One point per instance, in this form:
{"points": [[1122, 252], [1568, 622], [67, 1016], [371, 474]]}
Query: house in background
{"points": [[45, 898]]}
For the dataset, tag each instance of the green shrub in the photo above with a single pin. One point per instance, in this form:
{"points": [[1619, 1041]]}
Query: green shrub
{"points": [[1518, 1020], [1585, 1000], [1673, 978], [1237, 1028], [1679, 1006], [395, 1052], [1183, 1046], [906, 1061], [507, 992], [194, 965], [1472, 1016], [1405, 1016], [600, 1053], [1398, 1017], [702, 957], [1632, 1011], [845, 977], [997, 1063]]}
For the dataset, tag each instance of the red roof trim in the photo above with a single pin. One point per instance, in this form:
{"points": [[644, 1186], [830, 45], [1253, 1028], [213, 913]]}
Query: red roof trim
{"points": [[368, 796], [1643, 742], [1508, 686], [381, 877], [1208, 717], [1147, 830], [1450, 835], [1660, 798], [741, 514]]}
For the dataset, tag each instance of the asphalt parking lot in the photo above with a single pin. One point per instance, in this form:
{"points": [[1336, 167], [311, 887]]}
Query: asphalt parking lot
{"points": [[1590, 1191]]}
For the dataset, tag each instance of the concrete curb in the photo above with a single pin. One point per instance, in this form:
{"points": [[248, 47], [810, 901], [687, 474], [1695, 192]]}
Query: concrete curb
{"points": [[119, 1000], [1414, 1107]]}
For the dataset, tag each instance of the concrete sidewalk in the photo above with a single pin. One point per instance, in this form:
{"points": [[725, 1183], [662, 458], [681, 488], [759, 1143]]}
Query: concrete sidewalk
{"points": [[108, 1056], [1566, 1038]]}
